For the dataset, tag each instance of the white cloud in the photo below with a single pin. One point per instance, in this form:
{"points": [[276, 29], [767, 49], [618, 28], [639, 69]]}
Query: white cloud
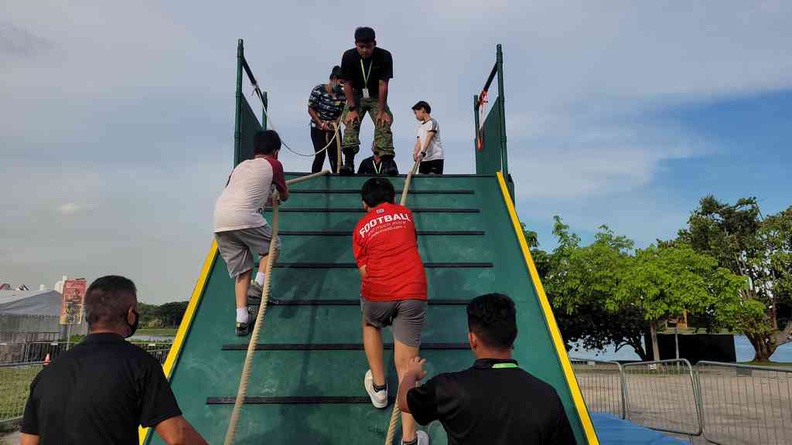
{"points": [[71, 208]]}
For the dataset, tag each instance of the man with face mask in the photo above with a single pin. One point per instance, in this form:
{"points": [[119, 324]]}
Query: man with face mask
{"points": [[366, 70], [325, 105], [101, 390]]}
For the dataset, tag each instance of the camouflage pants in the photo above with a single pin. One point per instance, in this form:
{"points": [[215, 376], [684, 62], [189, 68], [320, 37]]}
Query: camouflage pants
{"points": [[383, 137]]}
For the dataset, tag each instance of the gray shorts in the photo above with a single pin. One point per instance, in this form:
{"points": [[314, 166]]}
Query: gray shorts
{"points": [[237, 247], [405, 317]]}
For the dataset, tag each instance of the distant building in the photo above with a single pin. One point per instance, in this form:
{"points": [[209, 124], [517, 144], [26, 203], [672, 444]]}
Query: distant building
{"points": [[32, 316]]}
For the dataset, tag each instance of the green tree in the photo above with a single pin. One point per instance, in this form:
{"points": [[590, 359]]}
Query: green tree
{"points": [[170, 314], [586, 275], [165, 315], [663, 282], [148, 313], [580, 280], [758, 249]]}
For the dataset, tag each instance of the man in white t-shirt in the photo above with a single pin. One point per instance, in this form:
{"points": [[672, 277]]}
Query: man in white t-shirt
{"points": [[240, 230], [428, 141]]}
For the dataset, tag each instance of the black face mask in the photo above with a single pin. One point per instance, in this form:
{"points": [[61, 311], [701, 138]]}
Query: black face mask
{"points": [[133, 327]]}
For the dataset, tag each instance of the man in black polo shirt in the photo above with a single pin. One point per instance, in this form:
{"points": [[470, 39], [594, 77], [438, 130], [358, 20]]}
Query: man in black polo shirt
{"points": [[102, 389], [366, 70], [494, 402]]}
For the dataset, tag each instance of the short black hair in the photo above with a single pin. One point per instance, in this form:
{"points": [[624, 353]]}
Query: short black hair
{"points": [[364, 34], [335, 73], [493, 318], [422, 104], [108, 299], [266, 142], [376, 191]]}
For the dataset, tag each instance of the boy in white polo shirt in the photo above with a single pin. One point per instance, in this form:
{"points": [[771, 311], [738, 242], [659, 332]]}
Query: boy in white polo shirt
{"points": [[428, 141], [240, 230]]}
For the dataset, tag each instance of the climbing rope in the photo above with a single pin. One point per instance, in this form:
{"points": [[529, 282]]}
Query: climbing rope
{"points": [[394, 419], [338, 145], [248, 366], [413, 171], [257, 93]]}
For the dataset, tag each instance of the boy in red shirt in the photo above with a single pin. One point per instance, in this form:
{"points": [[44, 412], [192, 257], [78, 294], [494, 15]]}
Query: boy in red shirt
{"points": [[393, 290]]}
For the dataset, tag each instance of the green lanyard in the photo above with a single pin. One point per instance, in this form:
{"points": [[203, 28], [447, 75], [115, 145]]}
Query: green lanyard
{"points": [[365, 74], [504, 365], [376, 170]]}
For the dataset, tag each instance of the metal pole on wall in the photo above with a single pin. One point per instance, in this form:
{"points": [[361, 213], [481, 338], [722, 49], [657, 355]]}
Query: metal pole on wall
{"points": [[264, 104], [476, 120], [502, 94], [239, 97]]}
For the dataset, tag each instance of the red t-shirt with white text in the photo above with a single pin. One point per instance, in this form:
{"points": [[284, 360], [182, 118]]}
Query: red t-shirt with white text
{"points": [[386, 243]]}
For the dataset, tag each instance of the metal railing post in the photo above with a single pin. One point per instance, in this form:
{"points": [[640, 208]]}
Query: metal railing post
{"points": [[264, 105], [239, 97], [502, 106]]}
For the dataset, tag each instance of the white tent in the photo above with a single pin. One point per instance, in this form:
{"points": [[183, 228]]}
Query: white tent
{"points": [[43, 302]]}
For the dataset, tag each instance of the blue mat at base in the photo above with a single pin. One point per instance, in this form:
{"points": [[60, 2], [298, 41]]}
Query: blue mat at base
{"points": [[612, 430]]}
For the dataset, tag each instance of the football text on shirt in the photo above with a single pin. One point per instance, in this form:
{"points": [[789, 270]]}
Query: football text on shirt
{"points": [[383, 219]]}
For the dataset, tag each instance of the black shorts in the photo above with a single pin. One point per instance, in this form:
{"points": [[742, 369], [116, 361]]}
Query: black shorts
{"points": [[431, 167]]}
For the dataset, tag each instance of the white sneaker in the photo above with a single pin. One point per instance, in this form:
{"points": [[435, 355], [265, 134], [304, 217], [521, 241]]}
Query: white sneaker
{"points": [[378, 398], [422, 436]]}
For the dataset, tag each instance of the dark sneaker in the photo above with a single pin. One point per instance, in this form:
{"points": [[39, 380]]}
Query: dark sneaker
{"points": [[347, 170], [242, 329], [254, 291], [252, 313]]}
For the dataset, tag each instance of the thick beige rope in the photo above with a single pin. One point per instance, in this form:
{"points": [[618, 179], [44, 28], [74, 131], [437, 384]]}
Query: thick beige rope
{"points": [[413, 170], [248, 366], [307, 177], [394, 419], [338, 145]]}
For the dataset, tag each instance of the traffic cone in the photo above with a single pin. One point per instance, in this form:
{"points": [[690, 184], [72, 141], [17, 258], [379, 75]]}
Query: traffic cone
{"points": [[47, 359]]}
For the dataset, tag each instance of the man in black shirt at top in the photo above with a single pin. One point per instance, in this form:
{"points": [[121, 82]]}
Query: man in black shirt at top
{"points": [[102, 389], [366, 70], [375, 167], [494, 402]]}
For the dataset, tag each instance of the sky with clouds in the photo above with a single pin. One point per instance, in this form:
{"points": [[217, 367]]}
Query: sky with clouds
{"points": [[117, 117]]}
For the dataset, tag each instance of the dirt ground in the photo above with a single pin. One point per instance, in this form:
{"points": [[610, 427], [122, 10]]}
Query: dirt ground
{"points": [[9, 438], [736, 406]]}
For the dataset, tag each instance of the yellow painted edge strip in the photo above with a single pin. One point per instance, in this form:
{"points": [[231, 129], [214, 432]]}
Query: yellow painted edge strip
{"points": [[185, 324], [558, 342]]}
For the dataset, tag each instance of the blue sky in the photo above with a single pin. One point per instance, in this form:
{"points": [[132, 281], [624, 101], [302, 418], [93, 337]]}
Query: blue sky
{"points": [[748, 142], [118, 116]]}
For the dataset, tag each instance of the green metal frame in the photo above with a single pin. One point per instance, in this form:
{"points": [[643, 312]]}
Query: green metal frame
{"points": [[491, 152], [239, 122]]}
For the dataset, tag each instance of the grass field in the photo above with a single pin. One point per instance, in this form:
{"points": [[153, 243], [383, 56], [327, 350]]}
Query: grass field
{"points": [[158, 332], [14, 384], [769, 364]]}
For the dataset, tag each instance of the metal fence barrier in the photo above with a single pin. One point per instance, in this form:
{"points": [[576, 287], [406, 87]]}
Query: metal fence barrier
{"points": [[602, 385], [14, 384], [663, 396], [721, 403], [745, 404], [22, 362], [30, 352]]}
